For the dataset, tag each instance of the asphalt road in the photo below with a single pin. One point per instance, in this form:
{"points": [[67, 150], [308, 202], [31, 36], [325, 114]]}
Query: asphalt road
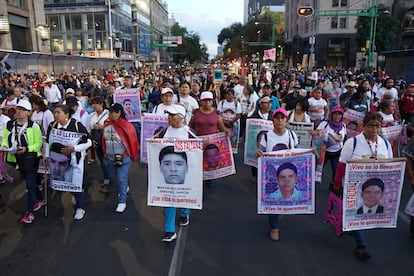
{"points": [[227, 237]]}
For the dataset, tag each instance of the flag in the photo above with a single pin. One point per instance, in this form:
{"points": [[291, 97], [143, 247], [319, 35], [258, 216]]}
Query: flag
{"points": [[270, 54]]}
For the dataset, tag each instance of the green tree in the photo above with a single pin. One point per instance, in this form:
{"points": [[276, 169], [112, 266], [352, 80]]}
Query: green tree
{"points": [[387, 27], [191, 48]]}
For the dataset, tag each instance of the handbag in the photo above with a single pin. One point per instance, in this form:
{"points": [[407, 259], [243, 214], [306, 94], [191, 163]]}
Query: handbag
{"points": [[28, 161]]}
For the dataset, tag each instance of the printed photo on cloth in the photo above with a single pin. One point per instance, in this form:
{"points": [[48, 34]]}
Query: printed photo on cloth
{"points": [[353, 121], [253, 128], [217, 156], [130, 100], [286, 182], [66, 172], [372, 192], [151, 124], [175, 173]]}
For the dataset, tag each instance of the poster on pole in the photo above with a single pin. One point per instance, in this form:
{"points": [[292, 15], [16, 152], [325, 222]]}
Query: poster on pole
{"points": [[130, 100], [218, 158], [286, 183], [302, 131], [151, 124], [372, 192], [66, 172], [175, 173], [253, 128], [353, 121]]}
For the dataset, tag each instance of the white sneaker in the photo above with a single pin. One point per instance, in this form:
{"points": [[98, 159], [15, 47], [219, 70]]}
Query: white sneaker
{"points": [[79, 214], [120, 208]]}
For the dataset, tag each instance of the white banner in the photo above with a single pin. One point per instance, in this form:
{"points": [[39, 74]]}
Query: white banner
{"points": [[66, 172], [372, 192], [175, 173], [302, 131]]}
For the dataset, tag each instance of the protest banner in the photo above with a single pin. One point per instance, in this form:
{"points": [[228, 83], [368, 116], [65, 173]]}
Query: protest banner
{"points": [[392, 133], [372, 192], [302, 131], [151, 124], [353, 121], [286, 183], [172, 182], [130, 100], [253, 128], [217, 156], [409, 209], [66, 172]]}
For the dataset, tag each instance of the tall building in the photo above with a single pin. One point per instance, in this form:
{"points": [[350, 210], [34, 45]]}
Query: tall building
{"points": [[334, 43], [22, 19], [255, 7]]}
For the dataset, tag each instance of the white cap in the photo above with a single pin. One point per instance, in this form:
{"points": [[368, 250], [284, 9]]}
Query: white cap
{"points": [[24, 104], [70, 90], [166, 90], [175, 109], [206, 95]]}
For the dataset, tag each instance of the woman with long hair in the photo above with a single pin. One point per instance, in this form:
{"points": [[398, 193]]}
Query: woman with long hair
{"points": [[120, 147], [72, 153]]}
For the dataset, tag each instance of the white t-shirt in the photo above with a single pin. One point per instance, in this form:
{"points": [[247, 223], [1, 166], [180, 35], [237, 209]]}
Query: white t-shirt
{"points": [[330, 137], [180, 133], [238, 91], [362, 149], [229, 110], [317, 108], [189, 104], [275, 142], [383, 90], [43, 119]]}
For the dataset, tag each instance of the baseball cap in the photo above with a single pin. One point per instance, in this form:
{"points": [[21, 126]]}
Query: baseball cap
{"points": [[337, 109], [166, 90], [280, 110], [24, 104], [175, 109], [206, 95], [265, 99], [70, 90]]}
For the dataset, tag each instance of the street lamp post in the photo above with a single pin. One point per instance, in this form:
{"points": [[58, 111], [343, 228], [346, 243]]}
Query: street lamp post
{"points": [[44, 34]]}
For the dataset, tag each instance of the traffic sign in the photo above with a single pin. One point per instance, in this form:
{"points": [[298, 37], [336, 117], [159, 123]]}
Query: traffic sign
{"points": [[160, 45]]}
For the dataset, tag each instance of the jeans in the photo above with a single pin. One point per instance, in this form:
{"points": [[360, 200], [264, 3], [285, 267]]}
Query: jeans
{"points": [[80, 200], [169, 213], [31, 186], [274, 221], [359, 238], [333, 157], [104, 165], [121, 174]]}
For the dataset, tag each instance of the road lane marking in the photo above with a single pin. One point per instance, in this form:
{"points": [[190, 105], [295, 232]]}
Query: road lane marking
{"points": [[177, 258]]}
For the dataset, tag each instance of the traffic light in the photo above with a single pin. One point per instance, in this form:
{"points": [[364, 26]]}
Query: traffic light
{"points": [[305, 11]]}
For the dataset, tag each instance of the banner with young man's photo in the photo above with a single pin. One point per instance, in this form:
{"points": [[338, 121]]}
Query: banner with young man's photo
{"points": [[253, 128], [353, 121], [286, 183], [131, 102], [175, 173], [218, 158], [371, 193], [151, 124], [66, 172]]}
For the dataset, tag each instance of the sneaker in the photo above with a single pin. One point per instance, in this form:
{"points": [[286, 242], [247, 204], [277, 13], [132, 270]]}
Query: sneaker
{"points": [[79, 214], [169, 236], [274, 234], [92, 161], [184, 221], [28, 218], [38, 204], [362, 254], [120, 208]]}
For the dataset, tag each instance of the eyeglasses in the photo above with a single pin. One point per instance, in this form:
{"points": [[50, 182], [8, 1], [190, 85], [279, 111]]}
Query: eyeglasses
{"points": [[373, 125]]}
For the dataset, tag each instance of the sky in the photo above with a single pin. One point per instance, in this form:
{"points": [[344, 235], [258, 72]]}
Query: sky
{"points": [[207, 18]]}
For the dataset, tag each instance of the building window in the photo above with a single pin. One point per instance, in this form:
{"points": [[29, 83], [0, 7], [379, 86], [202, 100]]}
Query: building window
{"points": [[338, 22], [339, 3]]}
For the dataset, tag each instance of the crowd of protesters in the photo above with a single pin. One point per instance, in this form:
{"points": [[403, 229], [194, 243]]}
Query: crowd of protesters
{"points": [[278, 95]]}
